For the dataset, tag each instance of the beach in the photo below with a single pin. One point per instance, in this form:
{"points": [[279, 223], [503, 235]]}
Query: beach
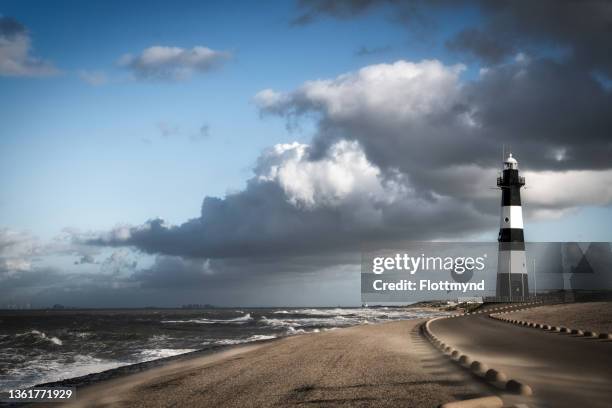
{"points": [[384, 365], [595, 316]]}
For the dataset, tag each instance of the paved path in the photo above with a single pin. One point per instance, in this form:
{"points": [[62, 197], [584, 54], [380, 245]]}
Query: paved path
{"points": [[563, 370]]}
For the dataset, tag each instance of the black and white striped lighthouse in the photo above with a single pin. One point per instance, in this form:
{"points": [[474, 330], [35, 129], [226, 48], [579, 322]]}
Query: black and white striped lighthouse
{"points": [[512, 282]]}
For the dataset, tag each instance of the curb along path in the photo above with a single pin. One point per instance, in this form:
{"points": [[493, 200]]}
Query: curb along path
{"points": [[490, 375], [559, 329]]}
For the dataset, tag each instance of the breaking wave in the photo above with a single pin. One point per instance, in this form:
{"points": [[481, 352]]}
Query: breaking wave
{"points": [[256, 337], [39, 337], [238, 320]]}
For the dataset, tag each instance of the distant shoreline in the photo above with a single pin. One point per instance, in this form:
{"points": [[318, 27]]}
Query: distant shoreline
{"points": [[149, 308]]}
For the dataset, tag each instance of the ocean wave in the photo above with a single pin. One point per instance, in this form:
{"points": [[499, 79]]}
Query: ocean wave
{"points": [[46, 369], [39, 337], [82, 335], [154, 354], [255, 337], [332, 321], [238, 320], [292, 331], [371, 314]]}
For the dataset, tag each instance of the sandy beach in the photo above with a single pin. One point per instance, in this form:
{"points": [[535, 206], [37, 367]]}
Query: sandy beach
{"points": [[595, 316], [383, 365]]}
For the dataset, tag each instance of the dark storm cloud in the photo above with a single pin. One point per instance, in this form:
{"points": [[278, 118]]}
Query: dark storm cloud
{"points": [[583, 28], [10, 28], [260, 222], [475, 40], [559, 117], [176, 272], [312, 9]]}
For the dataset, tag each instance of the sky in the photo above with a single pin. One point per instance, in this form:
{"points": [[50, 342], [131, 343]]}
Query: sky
{"points": [[158, 154]]}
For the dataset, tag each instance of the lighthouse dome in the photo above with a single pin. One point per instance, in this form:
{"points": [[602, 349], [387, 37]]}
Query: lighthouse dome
{"points": [[510, 162]]}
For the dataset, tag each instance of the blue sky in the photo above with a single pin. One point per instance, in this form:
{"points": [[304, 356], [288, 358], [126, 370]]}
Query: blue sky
{"points": [[96, 156]]}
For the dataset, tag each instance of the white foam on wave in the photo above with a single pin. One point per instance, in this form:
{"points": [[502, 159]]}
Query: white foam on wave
{"points": [[292, 331], [339, 317], [377, 313], [154, 354], [45, 370], [238, 320], [332, 321], [255, 337], [42, 336]]}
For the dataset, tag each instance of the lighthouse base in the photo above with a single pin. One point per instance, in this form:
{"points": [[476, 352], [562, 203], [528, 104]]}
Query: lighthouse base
{"points": [[512, 287]]}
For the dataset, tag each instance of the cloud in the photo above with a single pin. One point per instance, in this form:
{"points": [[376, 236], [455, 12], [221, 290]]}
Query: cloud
{"points": [[551, 194], [581, 30], [341, 9], [15, 52], [174, 272], [172, 63], [121, 262], [400, 91], [482, 45], [85, 259], [296, 205], [406, 150], [445, 135], [363, 50], [202, 134], [510, 26], [419, 117], [94, 78], [168, 129]]}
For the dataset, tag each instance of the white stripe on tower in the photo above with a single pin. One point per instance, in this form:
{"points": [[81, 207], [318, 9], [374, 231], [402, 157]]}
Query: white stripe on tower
{"points": [[512, 217]]}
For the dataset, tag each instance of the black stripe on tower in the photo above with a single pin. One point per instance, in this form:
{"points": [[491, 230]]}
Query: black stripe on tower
{"points": [[511, 246], [511, 235], [511, 195], [510, 185]]}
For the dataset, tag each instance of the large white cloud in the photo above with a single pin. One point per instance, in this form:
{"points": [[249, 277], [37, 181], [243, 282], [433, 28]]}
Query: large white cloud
{"points": [[345, 174], [445, 134], [172, 63], [402, 91]]}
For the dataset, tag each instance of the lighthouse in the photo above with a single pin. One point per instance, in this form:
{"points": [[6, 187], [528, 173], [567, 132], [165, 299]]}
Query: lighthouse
{"points": [[512, 282]]}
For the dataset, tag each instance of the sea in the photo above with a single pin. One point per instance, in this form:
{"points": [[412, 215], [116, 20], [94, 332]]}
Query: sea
{"points": [[40, 346]]}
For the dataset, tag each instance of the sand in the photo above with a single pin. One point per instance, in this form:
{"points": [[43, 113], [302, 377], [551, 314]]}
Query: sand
{"points": [[595, 316], [384, 365]]}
